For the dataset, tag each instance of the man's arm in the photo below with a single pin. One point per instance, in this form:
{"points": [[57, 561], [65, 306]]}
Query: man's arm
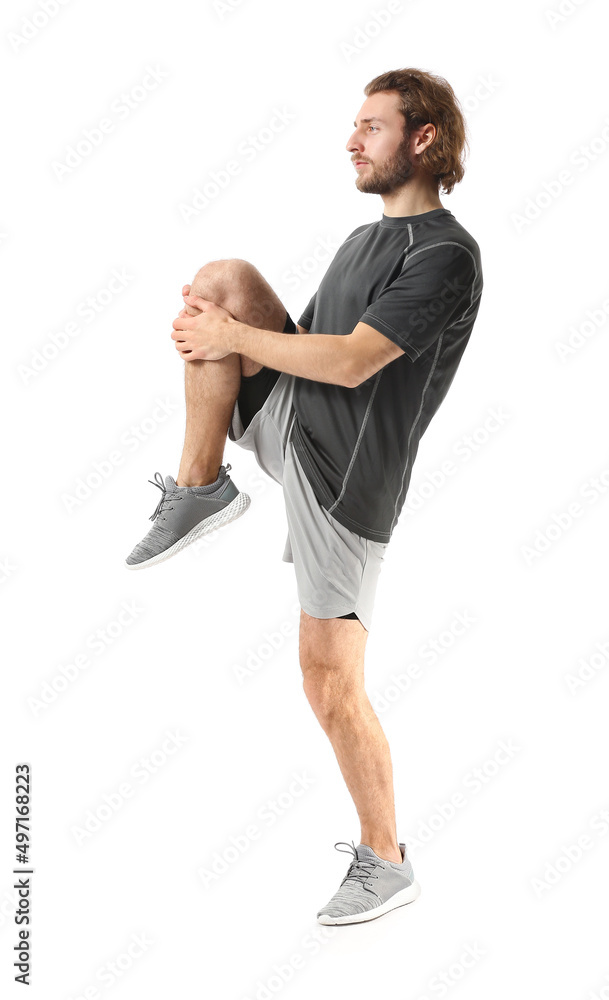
{"points": [[346, 359], [318, 356], [372, 350], [340, 360]]}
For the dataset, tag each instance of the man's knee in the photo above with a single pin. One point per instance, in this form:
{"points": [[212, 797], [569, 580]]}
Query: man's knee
{"points": [[225, 268], [332, 665], [217, 279], [240, 288], [331, 693]]}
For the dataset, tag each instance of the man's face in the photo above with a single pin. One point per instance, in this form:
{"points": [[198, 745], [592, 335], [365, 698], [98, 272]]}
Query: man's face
{"points": [[379, 149]]}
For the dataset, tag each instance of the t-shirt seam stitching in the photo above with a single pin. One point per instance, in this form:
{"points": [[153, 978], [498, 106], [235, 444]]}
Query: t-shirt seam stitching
{"points": [[460, 318], [355, 235], [395, 332], [442, 243]]}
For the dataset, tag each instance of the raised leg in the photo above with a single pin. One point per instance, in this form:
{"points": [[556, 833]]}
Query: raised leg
{"points": [[211, 387], [332, 663]]}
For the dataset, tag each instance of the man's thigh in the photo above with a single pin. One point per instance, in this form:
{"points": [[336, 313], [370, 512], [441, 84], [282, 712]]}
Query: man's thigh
{"points": [[332, 648], [251, 368]]}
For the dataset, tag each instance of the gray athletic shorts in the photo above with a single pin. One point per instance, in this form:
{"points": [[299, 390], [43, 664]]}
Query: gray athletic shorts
{"points": [[336, 569]]}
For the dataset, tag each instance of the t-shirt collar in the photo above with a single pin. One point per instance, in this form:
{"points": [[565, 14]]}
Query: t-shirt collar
{"points": [[399, 221]]}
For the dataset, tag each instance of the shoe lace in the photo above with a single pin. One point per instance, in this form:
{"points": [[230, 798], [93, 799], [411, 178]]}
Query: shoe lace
{"points": [[359, 870], [167, 495]]}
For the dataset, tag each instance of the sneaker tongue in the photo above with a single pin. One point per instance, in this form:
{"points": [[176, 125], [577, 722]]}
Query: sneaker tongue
{"points": [[364, 852], [170, 483]]}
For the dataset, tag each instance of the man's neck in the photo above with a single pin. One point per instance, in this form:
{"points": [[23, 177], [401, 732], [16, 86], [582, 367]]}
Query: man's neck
{"points": [[411, 200]]}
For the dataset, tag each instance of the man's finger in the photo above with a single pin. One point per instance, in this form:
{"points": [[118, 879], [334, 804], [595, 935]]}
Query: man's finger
{"points": [[196, 300], [183, 322]]}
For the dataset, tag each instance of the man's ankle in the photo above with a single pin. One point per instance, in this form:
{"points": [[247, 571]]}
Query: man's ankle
{"points": [[387, 853], [197, 477]]}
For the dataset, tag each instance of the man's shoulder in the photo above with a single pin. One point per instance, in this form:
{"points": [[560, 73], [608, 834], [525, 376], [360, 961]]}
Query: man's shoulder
{"points": [[445, 244], [453, 231]]}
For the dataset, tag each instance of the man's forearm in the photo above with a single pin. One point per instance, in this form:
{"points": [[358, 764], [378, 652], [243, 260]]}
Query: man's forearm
{"points": [[318, 356]]}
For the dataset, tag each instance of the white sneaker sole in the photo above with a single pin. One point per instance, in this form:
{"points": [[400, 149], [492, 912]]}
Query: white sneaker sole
{"points": [[407, 895], [235, 509]]}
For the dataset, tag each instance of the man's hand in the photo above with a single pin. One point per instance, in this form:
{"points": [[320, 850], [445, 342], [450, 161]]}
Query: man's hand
{"points": [[191, 310], [202, 337]]}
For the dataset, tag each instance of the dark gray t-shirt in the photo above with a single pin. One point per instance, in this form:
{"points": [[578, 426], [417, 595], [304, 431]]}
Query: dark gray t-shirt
{"points": [[418, 280]]}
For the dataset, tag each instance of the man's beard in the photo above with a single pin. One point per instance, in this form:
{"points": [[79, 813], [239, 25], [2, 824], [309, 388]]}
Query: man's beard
{"points": [[386, 177]]}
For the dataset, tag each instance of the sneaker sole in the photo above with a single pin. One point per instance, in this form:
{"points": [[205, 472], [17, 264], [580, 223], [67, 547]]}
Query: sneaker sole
{"points": [[407, 895], [233, 510]]}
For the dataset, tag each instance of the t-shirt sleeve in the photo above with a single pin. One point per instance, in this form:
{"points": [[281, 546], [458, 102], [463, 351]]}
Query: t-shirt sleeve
{"points": [[307, 317], [433, 290]]}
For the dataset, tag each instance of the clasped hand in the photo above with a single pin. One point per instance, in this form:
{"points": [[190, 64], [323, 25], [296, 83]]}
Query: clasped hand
{"points": [[202, 337]]}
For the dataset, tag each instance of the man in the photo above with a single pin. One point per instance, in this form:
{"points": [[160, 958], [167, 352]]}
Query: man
{"points": [[335, 415]]}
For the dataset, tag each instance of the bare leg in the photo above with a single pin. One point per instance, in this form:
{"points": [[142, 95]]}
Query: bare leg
{"points": [[332, 662], [211, 387]]}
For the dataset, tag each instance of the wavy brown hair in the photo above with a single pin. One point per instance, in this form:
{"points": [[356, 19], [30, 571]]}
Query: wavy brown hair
{"points": [[425, 97]]}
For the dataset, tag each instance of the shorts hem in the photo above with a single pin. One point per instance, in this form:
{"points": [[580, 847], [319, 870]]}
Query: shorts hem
{"points": [[326, 613]]}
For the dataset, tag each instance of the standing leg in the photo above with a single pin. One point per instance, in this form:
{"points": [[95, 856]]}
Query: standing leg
{"points": [[332, 663], [211, 387]]}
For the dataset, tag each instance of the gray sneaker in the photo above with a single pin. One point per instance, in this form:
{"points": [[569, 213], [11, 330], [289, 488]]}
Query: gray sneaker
{"points": [[370, 888], [185, 513]]}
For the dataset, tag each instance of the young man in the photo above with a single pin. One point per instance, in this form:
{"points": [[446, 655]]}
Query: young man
{"points": [[335, 415]]}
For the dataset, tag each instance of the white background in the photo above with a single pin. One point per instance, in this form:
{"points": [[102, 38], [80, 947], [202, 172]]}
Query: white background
{"points": [[535, 92]]}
